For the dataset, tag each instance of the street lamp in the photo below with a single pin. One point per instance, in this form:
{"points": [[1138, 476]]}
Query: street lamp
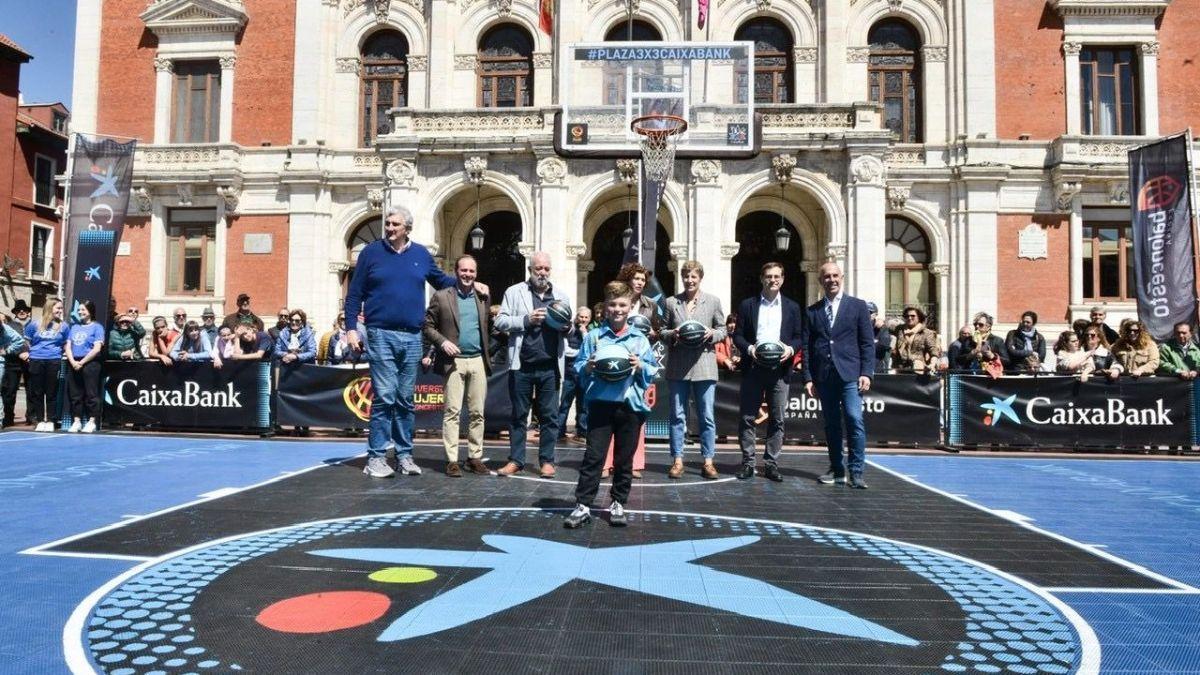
{"points": [[783, 236], [476, 233]]}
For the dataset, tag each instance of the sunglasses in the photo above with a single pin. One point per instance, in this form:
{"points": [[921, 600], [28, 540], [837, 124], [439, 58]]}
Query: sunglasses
{"points": [[914, 316], [980, 323], [297, 320], [181, 316]]}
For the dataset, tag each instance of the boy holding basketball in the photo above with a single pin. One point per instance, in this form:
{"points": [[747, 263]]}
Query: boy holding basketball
{"points": [[615, 396]]}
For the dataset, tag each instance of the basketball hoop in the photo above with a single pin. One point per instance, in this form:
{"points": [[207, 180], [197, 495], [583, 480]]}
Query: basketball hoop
{"points": [[659, 132]]}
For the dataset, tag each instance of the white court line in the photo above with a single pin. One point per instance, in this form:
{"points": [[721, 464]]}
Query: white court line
{"points": [[1113, 591], [40, 549], [37, 437], [1133, 567]]}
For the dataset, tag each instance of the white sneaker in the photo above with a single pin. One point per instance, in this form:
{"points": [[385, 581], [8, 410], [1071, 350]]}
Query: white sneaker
{"points": [[75, 427], [616, 515], [90, 427], [377, 467], [44, 426], [408, 467]]}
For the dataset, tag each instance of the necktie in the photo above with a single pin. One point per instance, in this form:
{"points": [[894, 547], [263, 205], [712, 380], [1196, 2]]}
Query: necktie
{"points": [[829, 312]]}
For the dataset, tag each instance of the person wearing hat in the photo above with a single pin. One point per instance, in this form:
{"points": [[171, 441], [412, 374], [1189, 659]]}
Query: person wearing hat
{"points": [[209, 325], [125, 339], [243, 315], [883, 340], [16, 365]]}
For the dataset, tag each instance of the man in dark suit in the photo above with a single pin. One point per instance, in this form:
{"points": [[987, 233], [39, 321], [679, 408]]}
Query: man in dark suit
{"points": [[839, 362], [456, 324], [768, 316]]}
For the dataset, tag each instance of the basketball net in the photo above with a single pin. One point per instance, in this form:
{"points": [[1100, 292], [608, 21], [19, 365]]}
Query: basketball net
{"points": [[658, 135]]}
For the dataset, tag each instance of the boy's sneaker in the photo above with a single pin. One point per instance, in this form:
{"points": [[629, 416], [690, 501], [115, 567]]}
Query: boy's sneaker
{"points": [[90, 427], [407, 466], [75, 427], [616, 515], [577, 518], [44, 426], [377, 467]]}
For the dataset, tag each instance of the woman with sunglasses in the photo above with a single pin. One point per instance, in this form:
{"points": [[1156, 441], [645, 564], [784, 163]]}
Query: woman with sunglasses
{"points": [[296, 343], [1135, 353], [193, 345], [983, 352]]}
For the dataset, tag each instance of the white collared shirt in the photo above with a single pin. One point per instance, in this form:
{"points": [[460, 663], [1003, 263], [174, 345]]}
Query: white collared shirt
{"points": [[770, 318], [836, 302]]}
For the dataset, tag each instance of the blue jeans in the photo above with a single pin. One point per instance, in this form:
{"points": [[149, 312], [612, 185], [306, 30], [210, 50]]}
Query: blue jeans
{"points": [[394, 356], [841, 402], [521, 386], [704, 392], [572, 392]]}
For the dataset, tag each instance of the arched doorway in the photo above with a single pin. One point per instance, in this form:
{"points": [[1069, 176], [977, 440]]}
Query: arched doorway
{"points": [[756, 235], [908, 281], [364, 233], [608, 250], [499, 262]]}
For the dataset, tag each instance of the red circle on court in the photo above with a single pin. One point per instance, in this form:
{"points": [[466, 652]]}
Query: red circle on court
{"points": [[324, 612]]}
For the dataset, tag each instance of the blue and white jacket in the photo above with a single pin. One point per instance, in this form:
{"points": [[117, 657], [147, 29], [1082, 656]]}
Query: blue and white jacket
{"points": [[633, 389]]}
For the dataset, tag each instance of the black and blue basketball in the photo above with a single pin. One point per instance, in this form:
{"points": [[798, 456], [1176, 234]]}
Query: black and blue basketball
{"points": [[691, 333], [640, 322], [558, 314], [611, 363], [769, 353]]}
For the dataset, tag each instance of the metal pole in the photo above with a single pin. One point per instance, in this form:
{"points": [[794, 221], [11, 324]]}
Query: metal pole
{"points": [[64, 225], [1191, 164]]}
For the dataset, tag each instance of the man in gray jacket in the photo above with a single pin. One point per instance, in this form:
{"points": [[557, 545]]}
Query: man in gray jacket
{"points": [[535, 356], [692, 371]]}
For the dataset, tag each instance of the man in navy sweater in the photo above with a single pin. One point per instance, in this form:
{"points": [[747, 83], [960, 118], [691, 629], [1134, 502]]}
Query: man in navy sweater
{"points": [[389, 289]]}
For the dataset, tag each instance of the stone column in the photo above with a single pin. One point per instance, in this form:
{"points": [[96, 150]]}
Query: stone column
{"points": [[832, 64], [345, 88], [1148, 72], [308, 77], [1071, 64], [548, 232], [164, 81], [804, 82], [935, 70], [978, 269], [866, 211], [442, 25], [543, 78], [225, 132], [941, 278], [703, 238]]}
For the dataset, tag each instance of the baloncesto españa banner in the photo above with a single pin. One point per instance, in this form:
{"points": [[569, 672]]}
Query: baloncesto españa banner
{"points": [[1161, 208]]}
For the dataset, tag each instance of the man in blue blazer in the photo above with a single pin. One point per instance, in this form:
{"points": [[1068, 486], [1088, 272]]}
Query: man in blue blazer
{"points": [[767, 316], [839, 362]]}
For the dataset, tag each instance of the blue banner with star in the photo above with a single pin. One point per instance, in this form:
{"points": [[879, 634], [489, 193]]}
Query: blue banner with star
{"points": [[101, 174], [1065, 412]]}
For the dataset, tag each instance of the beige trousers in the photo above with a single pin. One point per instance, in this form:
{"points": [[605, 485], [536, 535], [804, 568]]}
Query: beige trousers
{"points": [[470, 377]]}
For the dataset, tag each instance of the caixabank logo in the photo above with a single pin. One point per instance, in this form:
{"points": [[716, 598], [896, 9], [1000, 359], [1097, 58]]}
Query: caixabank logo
{"points": [[1043, 410], [509, 590]]}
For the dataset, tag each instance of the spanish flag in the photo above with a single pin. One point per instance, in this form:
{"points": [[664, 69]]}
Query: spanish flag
{"points": [[546, 16]]}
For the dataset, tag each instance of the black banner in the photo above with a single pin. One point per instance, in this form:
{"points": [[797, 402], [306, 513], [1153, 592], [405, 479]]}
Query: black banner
{"points": [[904, 409], [188, 395], [1063, 412], [1161, 213], [339, 397], [102, 170]]}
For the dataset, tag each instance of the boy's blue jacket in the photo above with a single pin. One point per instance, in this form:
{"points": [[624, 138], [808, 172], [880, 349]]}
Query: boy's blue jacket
{"points": [[633, 389]]}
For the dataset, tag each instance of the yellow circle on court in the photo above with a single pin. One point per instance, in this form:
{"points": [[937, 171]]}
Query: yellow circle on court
{"points": [[403, 575]]}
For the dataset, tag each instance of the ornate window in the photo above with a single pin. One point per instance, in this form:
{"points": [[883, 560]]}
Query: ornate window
{"points": [[1108, 261], [367, 232], [772, 61], [191, 251], [196, 112], [1109, 91], [907, 281], [894, 77], [384, 82], [505, 67], [637, 31]]}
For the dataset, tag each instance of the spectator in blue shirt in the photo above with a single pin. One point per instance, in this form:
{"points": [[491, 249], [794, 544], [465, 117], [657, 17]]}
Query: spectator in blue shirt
{"points": [[46, 339], [192, 345], [296, 343], [85, 341]]}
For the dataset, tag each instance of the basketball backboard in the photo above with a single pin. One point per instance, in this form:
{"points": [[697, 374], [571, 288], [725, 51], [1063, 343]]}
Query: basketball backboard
{"points": [[604, 86]]}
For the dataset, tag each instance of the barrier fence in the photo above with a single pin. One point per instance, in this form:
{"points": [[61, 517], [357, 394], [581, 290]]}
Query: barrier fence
{"points": [[962, 411]]}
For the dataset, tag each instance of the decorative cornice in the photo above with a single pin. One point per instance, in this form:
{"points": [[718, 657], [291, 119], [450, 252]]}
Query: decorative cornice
{"points": [[706, 171], [858, 54], [1110, 8], [164, 17], [497, 119], [552, 170]]}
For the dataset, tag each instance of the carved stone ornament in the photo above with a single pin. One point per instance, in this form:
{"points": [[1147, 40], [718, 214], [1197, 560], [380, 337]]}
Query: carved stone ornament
{"points": [[894, 5], [338, 266], [857, 54], [934, 53], [898, 196], [465, 61], [1072, 48], [348, 65], [1065, 192], [227, 62], [475, 165], [804, 54], [576, 249], [526, 248], [627, 170], [185, 194], [375, 199], [836, 251], [504, 7], [730, 249], [679, 251], [543, 60], [939, 269], [1118, 192], [706, 171], [867, 170], [382, 8], [763, 5], [783, 165], [418, 63], [1149, 48], [143, 199], [400, 172], [230, 195], [164, 65], [552, 170]]}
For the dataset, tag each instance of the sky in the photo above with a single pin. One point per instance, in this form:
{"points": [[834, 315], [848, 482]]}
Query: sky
{"points": [[46, 30]]}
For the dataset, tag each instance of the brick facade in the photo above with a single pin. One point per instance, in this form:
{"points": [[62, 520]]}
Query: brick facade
{"points": [[1029, 70]]}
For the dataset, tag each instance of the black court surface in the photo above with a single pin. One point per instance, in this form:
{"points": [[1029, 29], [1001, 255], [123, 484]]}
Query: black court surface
{"points": [[325, 570]]}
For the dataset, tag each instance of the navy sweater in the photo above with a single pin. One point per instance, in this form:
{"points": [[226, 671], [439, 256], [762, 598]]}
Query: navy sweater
{"points": [[389, 287]]}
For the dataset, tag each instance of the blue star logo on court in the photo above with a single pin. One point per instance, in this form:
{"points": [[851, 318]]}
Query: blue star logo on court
{"points": [[666, 570], [108, 182], [91, 273], [1002, 408]]}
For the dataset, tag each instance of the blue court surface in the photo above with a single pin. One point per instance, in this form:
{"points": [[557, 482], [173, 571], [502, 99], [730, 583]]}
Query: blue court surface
{"points": [[1111, 545]]}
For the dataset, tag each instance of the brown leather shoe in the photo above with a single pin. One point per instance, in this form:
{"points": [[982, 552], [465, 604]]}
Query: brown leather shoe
{"points": [[547, 470], [477, 466], [509, 469], [709, 471], [453, 470], [676, 469]]}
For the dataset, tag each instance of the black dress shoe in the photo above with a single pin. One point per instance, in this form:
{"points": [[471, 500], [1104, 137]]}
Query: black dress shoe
{"points": [[857, 483], [772, 473], [747, 471]]}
